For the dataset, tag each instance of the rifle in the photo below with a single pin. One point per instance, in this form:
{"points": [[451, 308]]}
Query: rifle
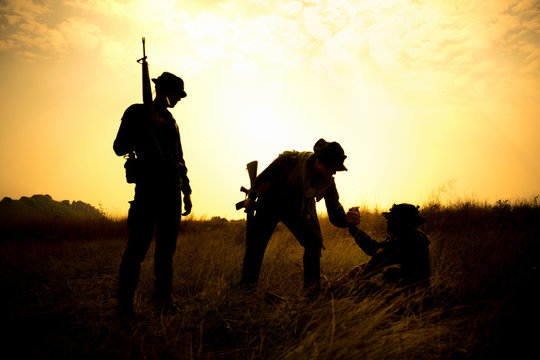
{"points": [[252, 172], [131, 161], [146, 88]]}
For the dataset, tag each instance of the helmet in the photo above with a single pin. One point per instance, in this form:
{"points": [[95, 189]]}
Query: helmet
{"points": [[405, 213]]}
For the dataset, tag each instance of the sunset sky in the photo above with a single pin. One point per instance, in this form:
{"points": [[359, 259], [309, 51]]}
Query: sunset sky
{"points": [[422, 95]]}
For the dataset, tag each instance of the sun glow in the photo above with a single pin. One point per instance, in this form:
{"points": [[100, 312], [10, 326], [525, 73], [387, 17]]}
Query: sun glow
{"points": [[418, 94]]}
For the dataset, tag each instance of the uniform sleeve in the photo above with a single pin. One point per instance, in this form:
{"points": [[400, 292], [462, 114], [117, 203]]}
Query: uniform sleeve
{"points": [[336, 213], [364, 241], [186, 188], [125, 139]]}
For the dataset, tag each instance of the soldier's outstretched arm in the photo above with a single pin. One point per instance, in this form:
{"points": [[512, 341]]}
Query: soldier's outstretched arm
{"points": [[336, 213], [364, 241]]}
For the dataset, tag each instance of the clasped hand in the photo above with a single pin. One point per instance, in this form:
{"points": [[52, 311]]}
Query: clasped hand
{"points": [[353, 216]]}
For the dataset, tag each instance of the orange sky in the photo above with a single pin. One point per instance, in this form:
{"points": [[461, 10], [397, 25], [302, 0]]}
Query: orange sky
{"points": [[421, 94]]}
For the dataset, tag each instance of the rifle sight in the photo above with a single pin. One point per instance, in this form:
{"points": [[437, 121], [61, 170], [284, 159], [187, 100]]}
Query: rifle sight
{"points": [[143, 59]]}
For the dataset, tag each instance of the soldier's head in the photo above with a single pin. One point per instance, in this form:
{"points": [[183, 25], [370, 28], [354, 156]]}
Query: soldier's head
{"points": [[329, 157], [171, 87], [403, 217]]}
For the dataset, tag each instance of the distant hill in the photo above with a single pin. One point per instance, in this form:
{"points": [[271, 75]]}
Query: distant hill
{"points": [[44, 207]]}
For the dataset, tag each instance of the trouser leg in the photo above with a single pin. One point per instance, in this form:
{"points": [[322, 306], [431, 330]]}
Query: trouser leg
{"points": [[261, 229], [309, 236], [166, 238], [141, 228], [312, 266]]}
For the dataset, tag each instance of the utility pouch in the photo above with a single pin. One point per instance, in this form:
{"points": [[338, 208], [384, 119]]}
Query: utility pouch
{"points": [[131, 167]]}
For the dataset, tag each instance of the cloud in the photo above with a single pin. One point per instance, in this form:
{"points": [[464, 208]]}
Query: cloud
{"points": [[26, 9], [79, 33], [24, 31], [443, 41], [110, 7], [458, 43], [162, 13], [425, 48], [113, 55], [46, 31], [525, 6], [12, 19]]}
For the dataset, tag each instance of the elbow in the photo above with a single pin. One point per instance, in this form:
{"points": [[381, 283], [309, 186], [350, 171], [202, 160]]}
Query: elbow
{"points": [[119, 150]]}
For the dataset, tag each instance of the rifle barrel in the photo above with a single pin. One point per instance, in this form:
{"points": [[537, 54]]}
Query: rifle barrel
{"points": [[143, 48], [146, 86]]}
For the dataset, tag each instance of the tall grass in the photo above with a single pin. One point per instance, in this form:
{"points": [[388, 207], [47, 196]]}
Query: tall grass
{"points": [[59, 295]]}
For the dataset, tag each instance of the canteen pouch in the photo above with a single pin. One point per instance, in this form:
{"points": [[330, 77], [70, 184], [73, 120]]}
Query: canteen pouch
{"points": [[131, 167]]}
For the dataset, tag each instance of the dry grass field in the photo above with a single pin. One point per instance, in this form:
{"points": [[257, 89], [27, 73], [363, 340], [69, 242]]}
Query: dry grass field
{"points": [[58, 284]]}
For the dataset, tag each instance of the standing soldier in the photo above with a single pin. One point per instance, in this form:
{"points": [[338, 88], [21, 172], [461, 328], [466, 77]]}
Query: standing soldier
{"points": [[150, 131], [286, 191]]}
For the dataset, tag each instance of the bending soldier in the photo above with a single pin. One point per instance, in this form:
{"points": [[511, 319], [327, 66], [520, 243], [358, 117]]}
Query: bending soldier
{"points": [[161, 176], [286, 191], [401, 259]]}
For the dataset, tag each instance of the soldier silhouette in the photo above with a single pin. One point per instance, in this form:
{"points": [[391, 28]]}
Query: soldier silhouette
{"points": [[286, 191], [402, 258], [151, 132]]}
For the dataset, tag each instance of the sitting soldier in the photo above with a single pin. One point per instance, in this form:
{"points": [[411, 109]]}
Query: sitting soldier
{"points": [[402, 258]]}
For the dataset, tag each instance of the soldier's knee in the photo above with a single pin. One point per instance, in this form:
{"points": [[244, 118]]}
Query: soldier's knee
{"points": [[132, 259], [164, 255], [133, 215]]}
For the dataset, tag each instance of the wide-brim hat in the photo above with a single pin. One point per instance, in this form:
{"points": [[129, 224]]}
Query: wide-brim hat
{"points": [[405, 213], [170, 82], [330, 154]]}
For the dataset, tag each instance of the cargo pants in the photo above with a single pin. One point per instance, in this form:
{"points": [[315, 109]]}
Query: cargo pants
{"points": [[150, 212], [304, 226]]}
